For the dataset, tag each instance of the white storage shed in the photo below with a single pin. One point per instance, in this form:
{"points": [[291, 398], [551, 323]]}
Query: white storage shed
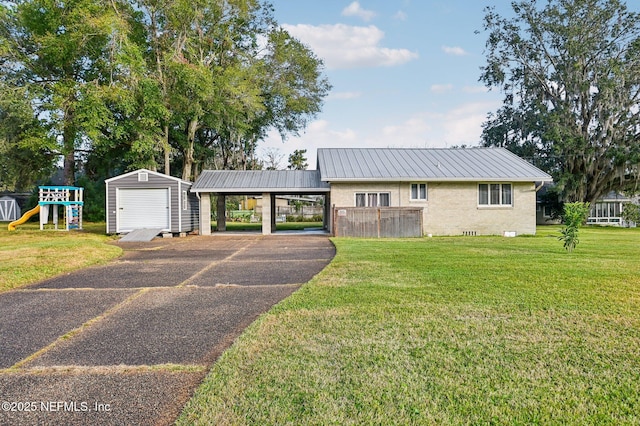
{"points": [[144, 199]]}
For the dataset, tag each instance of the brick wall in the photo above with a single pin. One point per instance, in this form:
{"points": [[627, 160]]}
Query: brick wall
{"points": [[452, 208]]}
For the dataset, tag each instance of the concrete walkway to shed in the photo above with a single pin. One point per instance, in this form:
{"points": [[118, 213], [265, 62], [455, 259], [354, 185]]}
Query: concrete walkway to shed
{"points": [[128, 342]]}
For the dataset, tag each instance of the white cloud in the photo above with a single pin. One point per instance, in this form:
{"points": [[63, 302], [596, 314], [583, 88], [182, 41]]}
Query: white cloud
{"points": [[475, 89], [400, 16], [454, 50], [344, 46], [441, 88], [318, 134], [344, 95], [460, 125], [354, 9]]}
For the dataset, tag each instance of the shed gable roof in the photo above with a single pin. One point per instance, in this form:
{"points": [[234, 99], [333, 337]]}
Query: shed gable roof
{"points": [[161, 175], [258, 181], [433, 164]]}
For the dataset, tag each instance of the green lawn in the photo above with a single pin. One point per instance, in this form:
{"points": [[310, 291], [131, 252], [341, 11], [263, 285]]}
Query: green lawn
{"points": [[463, 330], [28, 255], [257, 227]]}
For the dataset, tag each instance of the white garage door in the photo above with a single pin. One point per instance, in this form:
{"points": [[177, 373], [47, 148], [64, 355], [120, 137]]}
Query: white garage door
{"points": [[143, 208]]}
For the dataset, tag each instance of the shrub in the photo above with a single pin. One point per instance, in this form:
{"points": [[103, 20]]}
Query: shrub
{"points": [[574, 216], [314, 218], [631, 213]]}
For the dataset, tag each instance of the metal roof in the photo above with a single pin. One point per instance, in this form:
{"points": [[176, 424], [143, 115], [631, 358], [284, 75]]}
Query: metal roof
{"points": [[427, 164], [258, 181]]}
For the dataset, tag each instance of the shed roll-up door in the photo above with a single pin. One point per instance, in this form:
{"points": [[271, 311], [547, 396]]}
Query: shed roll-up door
{"points": [[143, 208]]}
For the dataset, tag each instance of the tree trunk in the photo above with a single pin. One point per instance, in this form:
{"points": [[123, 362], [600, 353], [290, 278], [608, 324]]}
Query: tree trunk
{"points": [[187, 172], [69, 149], [167, 151]]}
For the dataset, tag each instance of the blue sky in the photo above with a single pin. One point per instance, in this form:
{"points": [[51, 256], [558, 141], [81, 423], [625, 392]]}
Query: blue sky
{"points": [[404, 72]]}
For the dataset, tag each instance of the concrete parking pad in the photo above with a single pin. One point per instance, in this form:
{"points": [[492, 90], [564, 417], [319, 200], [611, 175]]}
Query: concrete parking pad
{"points": [[168, 326], [251, 273], [145, 328], [98, 398], [125, 274], [30, 320], [289, 254]]}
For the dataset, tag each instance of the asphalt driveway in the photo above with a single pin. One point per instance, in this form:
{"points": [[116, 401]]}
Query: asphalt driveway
{"points": [[128, 342]]}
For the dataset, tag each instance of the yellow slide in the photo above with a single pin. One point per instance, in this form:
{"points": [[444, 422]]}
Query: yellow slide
{"points": [[24, 218]]}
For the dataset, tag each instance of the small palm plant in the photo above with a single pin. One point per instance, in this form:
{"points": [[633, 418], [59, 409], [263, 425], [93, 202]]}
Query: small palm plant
{"points": [[575, 214]]}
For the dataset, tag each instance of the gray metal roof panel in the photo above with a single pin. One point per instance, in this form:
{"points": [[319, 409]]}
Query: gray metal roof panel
{"points": [[438, 164], [256, 181]]}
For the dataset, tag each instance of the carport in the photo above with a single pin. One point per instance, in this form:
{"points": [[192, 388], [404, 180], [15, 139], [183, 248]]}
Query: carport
{"points": [[265, 183]]}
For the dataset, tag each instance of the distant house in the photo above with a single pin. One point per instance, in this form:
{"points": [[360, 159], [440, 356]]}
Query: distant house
{"points": [[479, 191], [607, 210]]}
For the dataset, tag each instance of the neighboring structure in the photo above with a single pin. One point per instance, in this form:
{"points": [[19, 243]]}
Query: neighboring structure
{"points": [[479, 191], [606, 211], [9, 209], [287, 205], [144, 199]]}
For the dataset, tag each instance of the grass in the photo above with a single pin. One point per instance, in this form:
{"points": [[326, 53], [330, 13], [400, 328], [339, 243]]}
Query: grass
{"points": [[257, 227], [28, 255], [462, 330]]}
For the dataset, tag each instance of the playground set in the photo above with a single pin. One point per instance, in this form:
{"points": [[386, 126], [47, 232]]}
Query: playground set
{"points": [[50, 198]]}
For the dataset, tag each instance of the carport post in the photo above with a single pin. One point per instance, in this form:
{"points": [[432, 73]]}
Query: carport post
{"points": [[266, 213], [326, 217], [274, 212], [205, 214], [222, 212]]}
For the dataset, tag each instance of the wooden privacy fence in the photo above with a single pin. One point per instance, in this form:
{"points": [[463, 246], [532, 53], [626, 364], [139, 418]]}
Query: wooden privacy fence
{"points": [[377, 222]]}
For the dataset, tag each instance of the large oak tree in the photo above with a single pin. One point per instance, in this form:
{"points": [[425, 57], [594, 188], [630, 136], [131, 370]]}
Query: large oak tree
{"points": [[570, 73], [60, 63], [120, 84]]}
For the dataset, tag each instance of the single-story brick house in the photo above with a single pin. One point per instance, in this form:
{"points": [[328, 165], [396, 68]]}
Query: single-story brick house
{"points": [[478, 191]]}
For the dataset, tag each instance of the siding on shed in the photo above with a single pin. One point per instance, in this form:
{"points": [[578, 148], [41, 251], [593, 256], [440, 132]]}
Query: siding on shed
{"points": [[181, 220]]}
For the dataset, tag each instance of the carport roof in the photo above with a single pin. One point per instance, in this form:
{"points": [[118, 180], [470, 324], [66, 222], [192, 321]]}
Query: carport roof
{"points": [[259, 181]]}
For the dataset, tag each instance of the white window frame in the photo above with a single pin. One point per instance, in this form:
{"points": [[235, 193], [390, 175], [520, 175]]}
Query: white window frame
{"points": [[418, 186], [368, 197], [491, 201], [185, 200]]}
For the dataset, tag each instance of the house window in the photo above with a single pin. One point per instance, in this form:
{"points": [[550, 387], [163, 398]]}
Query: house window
{"points": [[495, 194], [418, 191], [185, 201], [373, 199]]}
